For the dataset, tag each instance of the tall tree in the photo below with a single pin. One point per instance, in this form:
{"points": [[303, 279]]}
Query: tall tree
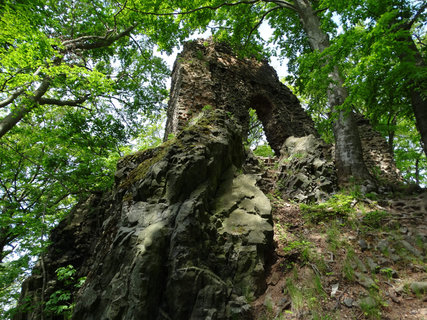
{"points": [[77, 80], [75, 54], [389, 57], [348, 149]]}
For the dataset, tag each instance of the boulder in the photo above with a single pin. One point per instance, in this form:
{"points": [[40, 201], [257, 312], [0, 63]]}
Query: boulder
{"points": [[307, 171]]}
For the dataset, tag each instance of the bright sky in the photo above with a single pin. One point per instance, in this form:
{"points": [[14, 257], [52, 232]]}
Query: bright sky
{"points": [[265, 32]]}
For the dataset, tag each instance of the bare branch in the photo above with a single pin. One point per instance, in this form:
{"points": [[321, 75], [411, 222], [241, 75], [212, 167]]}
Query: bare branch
{"points": [[283, 4], [260, 22], [226, 4], [416, 16]]}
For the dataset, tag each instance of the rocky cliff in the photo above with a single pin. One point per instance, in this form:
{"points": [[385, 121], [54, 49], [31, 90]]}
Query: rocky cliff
{"points": [[186, 232]]}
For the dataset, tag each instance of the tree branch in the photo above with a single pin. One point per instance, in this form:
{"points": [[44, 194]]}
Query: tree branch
{"points": [[16, 115], [260, 22], [420, 41], [100, 42], [11, 98], [17, 93], [226, 4], [416, 16], [57, 102], [118, 12], [283, 4], [6, 191], [320, 10], [14, 149]]}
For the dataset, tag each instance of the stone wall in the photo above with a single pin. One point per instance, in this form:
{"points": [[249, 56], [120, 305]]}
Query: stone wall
{"points": [[208, 74], [376, 153]]}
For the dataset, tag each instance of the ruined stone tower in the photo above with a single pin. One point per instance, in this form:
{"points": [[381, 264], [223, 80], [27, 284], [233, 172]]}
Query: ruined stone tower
{"points": [[208, 74]]}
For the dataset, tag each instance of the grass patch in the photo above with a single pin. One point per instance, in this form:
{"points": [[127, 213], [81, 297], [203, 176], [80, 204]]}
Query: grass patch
{"points": [[339, 205], [372, 305], [347, 269], [375, 219]]}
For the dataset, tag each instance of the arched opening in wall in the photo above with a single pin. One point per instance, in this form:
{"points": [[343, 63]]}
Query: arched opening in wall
{"points": [[260, 114]]}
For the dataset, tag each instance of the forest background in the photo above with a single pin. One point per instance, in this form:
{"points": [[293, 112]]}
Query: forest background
{"points": [[81, 85]]}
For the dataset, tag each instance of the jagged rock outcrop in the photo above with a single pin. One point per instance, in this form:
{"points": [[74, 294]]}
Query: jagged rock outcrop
{"points": [[184, 234], [208, 74], [307, 171]]}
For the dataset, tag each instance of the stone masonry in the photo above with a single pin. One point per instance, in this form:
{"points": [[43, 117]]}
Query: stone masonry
{"points": [[209, 75]]}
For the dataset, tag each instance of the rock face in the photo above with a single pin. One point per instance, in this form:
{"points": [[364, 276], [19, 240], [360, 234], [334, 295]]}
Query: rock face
{"points": [[209, 75], [184, 234], [73, 243], [307, 171]]}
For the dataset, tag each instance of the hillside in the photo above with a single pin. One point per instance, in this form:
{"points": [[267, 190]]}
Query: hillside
{"points": [[356, 256]]}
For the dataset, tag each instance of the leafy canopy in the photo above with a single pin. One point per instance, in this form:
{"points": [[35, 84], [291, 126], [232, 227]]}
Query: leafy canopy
{"points": [[79, 79]]}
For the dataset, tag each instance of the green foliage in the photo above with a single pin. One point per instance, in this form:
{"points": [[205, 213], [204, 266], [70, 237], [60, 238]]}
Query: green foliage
{"points": [[84, 88], [60, 302], [308, 293], [280, 230], [151, 134], [371, 306], [66, 274], [207, 108], [388, 272], [348, 270], [46, 164], [409, 156], [256, 135], [301, 247], [332, 237], [295, 294], [264, 151], [339, 204], [375, 219]]}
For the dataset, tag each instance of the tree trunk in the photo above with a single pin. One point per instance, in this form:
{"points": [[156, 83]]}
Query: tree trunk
{"points": [[418, 99], [391, 133], [348, 148], [5, 239], [8, 122]]}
